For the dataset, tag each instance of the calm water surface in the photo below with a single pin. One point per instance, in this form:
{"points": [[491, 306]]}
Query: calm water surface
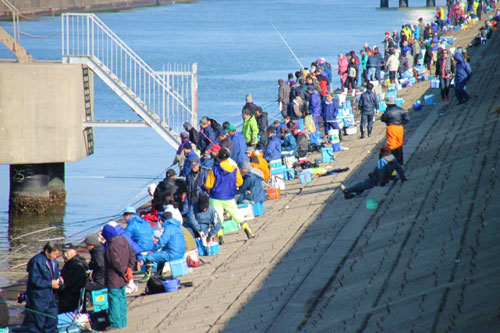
{"points": [[237, 52]]}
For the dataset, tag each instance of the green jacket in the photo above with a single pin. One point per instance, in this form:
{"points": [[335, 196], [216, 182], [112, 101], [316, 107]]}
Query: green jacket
{"points": [[250, 130]]}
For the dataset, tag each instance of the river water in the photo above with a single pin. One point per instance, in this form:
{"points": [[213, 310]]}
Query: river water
{"points": [[237, 51]]}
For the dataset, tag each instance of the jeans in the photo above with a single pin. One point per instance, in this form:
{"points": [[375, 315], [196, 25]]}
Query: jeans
{"points": [[117, 307], [445, 87], [460, 93], [366, 184], [366, 118]]}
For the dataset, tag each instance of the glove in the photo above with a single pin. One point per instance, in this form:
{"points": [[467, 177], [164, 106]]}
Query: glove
{"points": [[129, 275]]}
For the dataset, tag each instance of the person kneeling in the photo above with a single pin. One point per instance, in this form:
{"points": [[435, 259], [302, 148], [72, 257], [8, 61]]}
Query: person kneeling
{"points": [[386, 165], [169, 246], [203, 221]]}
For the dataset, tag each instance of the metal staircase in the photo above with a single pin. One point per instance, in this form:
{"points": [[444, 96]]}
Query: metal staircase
{"points": [[14, 43], [164, 100]]}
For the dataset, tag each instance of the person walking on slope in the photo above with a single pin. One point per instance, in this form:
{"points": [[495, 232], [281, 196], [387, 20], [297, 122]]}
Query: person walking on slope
{"points": [[445, 67], [395, 117], [368, 104], [380, 176], [462, 75], [222, 181]]}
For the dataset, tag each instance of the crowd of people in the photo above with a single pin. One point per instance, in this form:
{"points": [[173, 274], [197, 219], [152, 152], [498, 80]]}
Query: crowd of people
{"points": [[221, 167]]}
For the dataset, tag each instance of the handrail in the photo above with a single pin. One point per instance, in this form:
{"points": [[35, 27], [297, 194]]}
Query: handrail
{"points": [[15, 19]]}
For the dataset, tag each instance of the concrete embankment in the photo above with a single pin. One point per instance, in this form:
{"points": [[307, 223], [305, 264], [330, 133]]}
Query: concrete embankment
{"points": [[30, 8]]}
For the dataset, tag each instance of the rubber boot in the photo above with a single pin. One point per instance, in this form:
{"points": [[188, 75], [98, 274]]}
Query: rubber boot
{"points": [[369, 131], [247, 230], [362, 133], [149, 271], [220, 237]]}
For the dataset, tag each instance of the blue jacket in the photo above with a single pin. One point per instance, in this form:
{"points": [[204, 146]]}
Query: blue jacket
{"points": [[192, 156], [273, 149], [289, 143], [204, 221], [238, 154], [205, 143], [462, 68], [315, 104], [330, 111], [172, 240], [224, 183], [39, 290], [252, 189], [141, 232], [133, 245]]}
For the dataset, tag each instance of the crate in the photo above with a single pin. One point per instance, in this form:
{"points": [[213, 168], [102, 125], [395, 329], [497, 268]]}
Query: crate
{"points": [[429, 100], [212, 248], [245, 212], [229, 227], [326, 155], [289, 174], [258, 209], [178, 267], [276, 163], [273, 193], [278, 170], [305, 177]]}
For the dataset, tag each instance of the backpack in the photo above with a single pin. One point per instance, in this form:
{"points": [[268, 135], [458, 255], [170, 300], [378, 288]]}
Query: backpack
{"points": [[155, 286]]}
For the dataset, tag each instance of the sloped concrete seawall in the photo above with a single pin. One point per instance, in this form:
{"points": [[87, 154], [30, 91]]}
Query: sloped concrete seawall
{"points": [[52, 7]]}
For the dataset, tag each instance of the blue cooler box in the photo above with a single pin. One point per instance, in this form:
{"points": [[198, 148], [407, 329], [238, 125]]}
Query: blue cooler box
{"points": [[178, 267], [258, 209], [305, 177], [212, 248], [326, 155], [429, 100]]}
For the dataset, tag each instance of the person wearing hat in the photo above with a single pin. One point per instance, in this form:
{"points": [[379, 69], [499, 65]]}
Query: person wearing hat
{"points": [[329, 113], [119, 262], [169, 244], [240, 146], [225, 141], [288, 143], [314, 105], [203, 221], [195, 182], [257, 160], [249, 105], [138, 229], [179, 156], [74, 274], [367, 106], [190, 156], [194, 135], [392, 65], [207, 135], [165, 189], [250, 128], [363, 62], [273, 149], [43, 282], [252, 190], [380, 176], [283, 97], [263, 124], [395, 117], [222, 181], [96, 263], [302, 143]]}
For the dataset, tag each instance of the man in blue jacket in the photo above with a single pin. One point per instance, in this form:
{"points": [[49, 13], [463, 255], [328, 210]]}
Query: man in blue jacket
{"points": [[368, 103], [252, 190], [273, 149], [329, 113], [239, 148], [314, 105], [207, 135], [203, 221], [462, 75], [288, 142], [138, 229], [43, 280], [171, 245], [191, 156]]}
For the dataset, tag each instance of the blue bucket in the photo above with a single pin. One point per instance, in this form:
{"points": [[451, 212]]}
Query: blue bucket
{"points": [[171, 285]]}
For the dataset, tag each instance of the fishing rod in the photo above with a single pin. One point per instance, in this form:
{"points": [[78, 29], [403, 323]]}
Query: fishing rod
{"points": [[286, 44]]}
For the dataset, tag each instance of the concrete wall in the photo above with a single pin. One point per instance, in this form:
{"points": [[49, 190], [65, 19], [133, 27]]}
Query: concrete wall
{"points": [[47, 7], [41, 112]]}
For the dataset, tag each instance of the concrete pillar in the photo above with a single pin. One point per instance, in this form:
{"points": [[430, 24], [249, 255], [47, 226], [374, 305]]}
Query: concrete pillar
{"points": [[36, 188], [403, 3], [431, 3], [384, 3]]}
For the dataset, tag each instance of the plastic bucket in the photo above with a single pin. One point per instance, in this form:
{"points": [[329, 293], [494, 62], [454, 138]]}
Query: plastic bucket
{"points": [[171, 285]]}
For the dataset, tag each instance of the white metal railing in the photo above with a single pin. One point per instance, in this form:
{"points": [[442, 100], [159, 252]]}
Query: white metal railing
{"points": [[170, 95], [15, 19]]}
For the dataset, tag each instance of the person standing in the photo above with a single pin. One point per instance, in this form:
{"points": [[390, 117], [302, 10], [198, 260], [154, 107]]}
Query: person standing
{"points": [[395, 117], [263, 124], [96, 263], [392, 65], [314, 105], [283, 97], [445, 67], [462, 75], [207, 136], [368, 104], [119, 262], [239, 147], [249, 105], [329, 113], [43, 280], [250, 128]]}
